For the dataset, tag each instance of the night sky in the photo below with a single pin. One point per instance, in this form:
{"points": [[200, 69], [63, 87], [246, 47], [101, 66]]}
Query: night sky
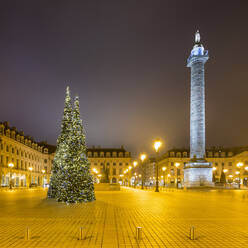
{"points": [[127, 62]]}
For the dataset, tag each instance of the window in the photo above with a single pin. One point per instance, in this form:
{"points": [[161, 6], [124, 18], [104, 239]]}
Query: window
{"points": [[120, 171], [230, 163], [107, 164], [102, 164], [178, 154], [216, 164], [114, 163], [120, 164], [13, 150], [7, 148], [114, 171], [172, 163], [45, 161]]}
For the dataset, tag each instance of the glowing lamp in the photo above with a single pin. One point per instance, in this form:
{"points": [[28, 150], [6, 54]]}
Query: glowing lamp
{"points": [[143, 157], [157, 145], [164, 169], [240, 164], [177, 164], [11, 165]]}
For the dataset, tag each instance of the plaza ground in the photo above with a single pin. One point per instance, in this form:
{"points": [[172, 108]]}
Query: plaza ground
{"points": [[220, 219]]}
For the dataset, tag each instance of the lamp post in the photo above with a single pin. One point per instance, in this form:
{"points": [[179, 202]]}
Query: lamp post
{"points": [[130, 175], [135, 163], [164, 169], [177, 165], [157, 145], [239, 166], [30, 169], [142, 158], [10, 165]]}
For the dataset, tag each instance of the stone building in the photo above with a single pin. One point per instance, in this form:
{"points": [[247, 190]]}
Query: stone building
{"points": [[23, 159], [110, 161], [224, 160], [32, 161]]}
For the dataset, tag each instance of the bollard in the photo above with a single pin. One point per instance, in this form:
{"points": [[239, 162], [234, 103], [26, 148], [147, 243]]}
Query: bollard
{"points": [[139, 232], [27, 234], [80, 233], [192, 233]]}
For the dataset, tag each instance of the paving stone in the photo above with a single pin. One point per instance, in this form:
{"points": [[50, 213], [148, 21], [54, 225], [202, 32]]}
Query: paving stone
{"points": [[220, 219]]}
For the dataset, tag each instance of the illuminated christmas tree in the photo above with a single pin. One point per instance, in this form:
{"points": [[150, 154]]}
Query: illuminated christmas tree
{"points": [[72, 181], [62, 147]]}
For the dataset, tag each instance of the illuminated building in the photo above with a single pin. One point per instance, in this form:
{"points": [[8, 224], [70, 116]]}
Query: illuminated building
{"points": [[31, 161]]}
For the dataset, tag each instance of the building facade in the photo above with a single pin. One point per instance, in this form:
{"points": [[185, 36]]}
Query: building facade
{"points": [[109, 164], [225, 161], [22, 160]]}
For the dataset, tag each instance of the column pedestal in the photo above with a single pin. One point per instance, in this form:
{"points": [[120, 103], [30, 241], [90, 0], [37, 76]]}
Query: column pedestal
{"points": [[198, 174]]}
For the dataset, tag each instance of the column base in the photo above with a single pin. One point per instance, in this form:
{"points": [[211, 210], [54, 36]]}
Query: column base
{"points": [[198, 174]]}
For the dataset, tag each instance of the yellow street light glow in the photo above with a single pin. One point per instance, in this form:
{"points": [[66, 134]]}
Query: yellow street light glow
{"points": [[135, 173], [130, 167], [240, 164], [246, 168], [11, 165], [169, 175], [30, 168], [225, 170], [43, 171], [121, 175], [99, 175], [139, 175], [143, 157], [230, 175], [177, 164], [135, 163], [237, 172], [157, 145], [214, 168], [164, 169], [161, 176]]}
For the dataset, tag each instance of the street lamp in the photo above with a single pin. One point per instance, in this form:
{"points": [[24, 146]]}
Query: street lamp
{"points": [[239, 166], [135, 163], [177, 165], [164, 169], [157, 145], [129, 175], [10, 165], [142, 158]]}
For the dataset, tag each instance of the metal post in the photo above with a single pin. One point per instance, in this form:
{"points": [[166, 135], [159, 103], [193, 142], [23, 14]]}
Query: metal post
{"points": [[157, 188], [192, 233], [27, 234], [142, 179], [139, 233], [80, 233]]}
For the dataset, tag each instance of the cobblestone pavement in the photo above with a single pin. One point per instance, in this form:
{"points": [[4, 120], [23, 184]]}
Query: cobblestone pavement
{"points": [[220, 219]]}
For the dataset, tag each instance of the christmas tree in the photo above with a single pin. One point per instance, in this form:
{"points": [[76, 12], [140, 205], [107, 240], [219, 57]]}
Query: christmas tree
{"points": [[62, 147], [71, 179]]}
